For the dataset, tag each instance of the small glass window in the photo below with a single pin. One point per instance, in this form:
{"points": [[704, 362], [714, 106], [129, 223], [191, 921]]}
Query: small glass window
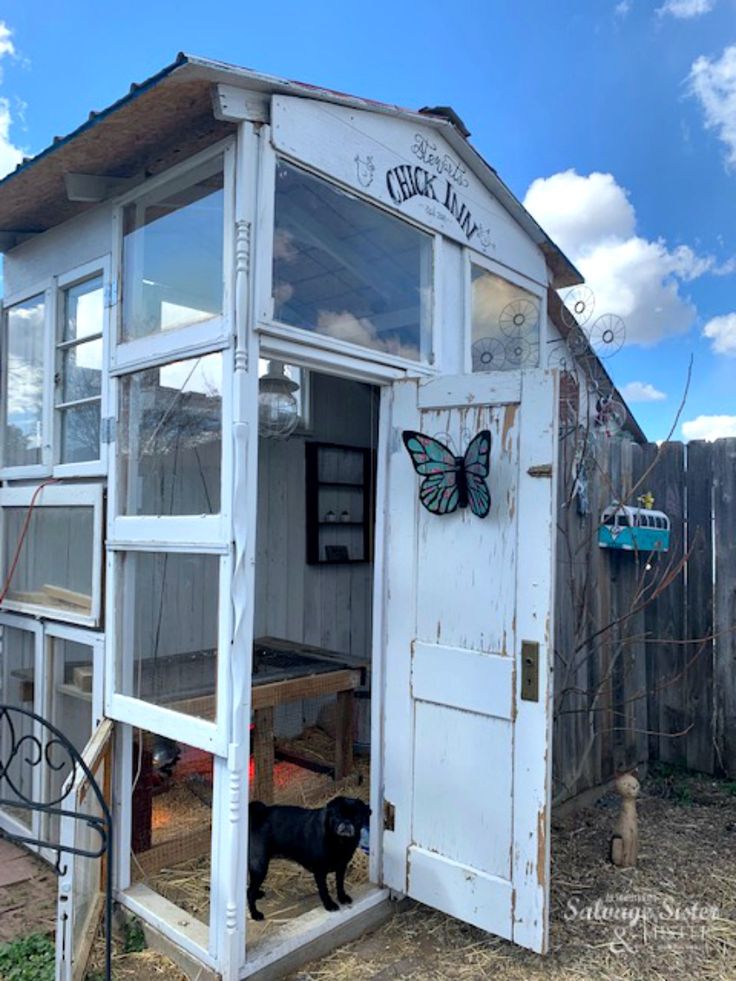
{"points": [[345, 268], [79, 372], [167, 640], [55, 566], [173, 254], [70, 674], [170, 439], [17, 688], [23, 386], [505, 324]]}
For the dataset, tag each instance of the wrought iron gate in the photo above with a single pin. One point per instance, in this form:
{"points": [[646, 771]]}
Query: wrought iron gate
{"points": [[46, 750]]}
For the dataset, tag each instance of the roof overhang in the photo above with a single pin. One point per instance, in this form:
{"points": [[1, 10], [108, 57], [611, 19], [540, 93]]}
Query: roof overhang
{"points": [[170, 117]]}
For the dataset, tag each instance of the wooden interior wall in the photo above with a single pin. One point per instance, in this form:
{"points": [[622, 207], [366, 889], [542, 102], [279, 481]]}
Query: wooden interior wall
{"points": [[325, 605], [645, 646]]}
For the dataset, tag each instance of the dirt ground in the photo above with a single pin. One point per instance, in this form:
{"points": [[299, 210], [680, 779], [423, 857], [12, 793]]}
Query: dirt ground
{"points": [[672, 918]]}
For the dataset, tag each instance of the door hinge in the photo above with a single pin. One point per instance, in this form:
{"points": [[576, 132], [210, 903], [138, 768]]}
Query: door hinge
{"points": [[111, 293], [107, 429], [389, 816], [542, 470], [530, 671]]}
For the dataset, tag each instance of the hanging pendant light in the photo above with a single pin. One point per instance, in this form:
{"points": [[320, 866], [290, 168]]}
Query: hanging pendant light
{"points": [[278, 409]]}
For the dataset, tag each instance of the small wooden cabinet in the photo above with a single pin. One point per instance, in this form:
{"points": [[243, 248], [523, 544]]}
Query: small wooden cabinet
{"points": [[340, 482]]}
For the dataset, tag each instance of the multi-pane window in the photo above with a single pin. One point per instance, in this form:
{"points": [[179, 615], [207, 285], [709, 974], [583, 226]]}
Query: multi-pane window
{"points": [[23, 383], [347, 269], [505, 323], [78, 381], [173, 254]]}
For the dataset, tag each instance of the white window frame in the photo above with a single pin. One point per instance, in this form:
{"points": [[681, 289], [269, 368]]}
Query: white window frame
{"points": [[66, 496], [141, 714], [186, 530], [194, 534], [173, 344], [539, 290], [7, 821], [46, 288], [331, 347], [44, 632], [75, 277]]}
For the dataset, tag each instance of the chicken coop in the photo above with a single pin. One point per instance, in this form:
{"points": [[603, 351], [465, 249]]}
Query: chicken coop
{"points": [[227, 296]]}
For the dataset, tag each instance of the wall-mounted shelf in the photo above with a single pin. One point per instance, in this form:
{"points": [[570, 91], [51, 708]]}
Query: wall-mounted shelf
{"points": [[339, 491]]}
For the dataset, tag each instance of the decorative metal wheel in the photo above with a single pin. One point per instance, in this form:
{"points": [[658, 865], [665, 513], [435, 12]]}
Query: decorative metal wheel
{"points": [[577, 343], [488, 354], [578, 304], [520, 318], [607, 335], [561, 357], [520, 352]]}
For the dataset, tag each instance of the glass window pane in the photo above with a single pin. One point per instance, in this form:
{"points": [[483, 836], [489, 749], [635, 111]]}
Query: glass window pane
{"points": [[24, 384], [70, 675], [81, 371], [83, 310], [17, 657], [80, 433], [170, 439], [167, 641], [505, 324], [172, 254], [171, 826], [54, 568], [347, 269]]}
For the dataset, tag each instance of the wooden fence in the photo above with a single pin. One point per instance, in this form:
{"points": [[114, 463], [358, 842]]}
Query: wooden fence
{"points": [[645, 646]]}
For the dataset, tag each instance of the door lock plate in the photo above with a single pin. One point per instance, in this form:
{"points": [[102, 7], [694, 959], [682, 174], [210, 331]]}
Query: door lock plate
{"points": [[530, 671]]}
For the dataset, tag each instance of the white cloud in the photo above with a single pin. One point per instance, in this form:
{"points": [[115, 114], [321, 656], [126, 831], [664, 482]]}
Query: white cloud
{"points": [[709, 427], [722, 332], [10, 154], [713, 82], [685, 9], [592, 219], [642, 392], [6, 40], [621, 9], [360, 330]]}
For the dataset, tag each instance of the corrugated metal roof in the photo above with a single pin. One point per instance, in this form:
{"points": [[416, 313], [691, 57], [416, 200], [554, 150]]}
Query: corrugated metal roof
{"points": [[169, 116]]}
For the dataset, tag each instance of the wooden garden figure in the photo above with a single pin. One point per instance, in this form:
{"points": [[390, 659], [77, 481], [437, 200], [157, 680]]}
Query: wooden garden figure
{"points": [[625, 838]]}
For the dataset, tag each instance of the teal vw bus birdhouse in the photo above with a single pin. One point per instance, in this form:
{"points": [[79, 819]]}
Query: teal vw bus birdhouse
{"points": [[634, 529]]}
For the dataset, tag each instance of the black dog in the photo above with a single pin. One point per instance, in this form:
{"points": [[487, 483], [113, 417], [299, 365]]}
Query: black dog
{"points": [[322, 841]]}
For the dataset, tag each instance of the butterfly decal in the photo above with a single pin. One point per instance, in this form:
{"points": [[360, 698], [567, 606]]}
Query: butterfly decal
{"points": [[450, 481]]}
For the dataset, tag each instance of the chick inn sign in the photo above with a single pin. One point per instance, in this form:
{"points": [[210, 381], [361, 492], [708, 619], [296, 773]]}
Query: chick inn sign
{"points": [[404, 182]]}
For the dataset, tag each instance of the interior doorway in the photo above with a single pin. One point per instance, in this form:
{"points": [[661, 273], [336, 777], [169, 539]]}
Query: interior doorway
{"points": [[313, 629]]}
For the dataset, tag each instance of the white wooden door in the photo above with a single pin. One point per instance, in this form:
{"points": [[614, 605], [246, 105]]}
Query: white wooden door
{"points": [[466, 757]]}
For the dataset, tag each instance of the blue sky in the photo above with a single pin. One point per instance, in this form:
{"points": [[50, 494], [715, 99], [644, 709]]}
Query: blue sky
{"points": [[614, 119]]}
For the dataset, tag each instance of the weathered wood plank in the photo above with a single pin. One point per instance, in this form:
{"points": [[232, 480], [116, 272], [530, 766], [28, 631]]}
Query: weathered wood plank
{"points": [[665, 616], [724, 530], [698, 681], [263, 755]]}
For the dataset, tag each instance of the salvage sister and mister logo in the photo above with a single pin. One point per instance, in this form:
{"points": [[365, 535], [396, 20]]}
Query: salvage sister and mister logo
{"points": [[636, 920]]}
